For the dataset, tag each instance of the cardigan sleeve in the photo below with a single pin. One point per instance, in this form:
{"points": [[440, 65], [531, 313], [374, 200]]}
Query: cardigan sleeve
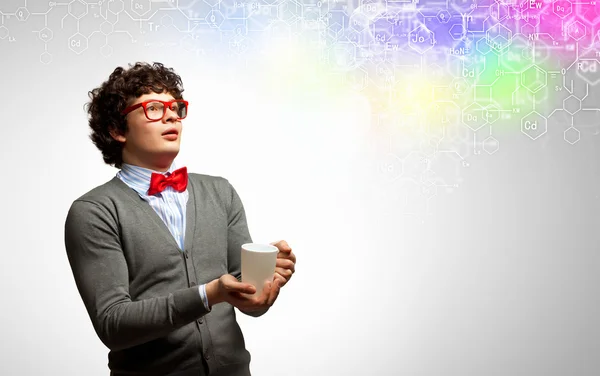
{"points": [[99, 268]]}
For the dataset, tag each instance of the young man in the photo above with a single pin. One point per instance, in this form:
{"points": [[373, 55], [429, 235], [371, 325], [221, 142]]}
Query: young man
{"points": [[155, 252]]}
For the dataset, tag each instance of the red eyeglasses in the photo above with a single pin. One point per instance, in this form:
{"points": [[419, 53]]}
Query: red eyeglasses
{"points": [[156, 109]]}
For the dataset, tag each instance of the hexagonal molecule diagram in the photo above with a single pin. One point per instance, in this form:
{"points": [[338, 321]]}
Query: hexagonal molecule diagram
{"points": [[78, 43], [140, 7], [22, 14], [491, 145], [572, 104], [534, 125], [572, 135], [499, 37], [576, 30], [588, 69], [116, 6], [46, 34], [4, 33], [421, 39], [443, 16], [562, 8], [391, 167], [77, 9], [534, 79], [474, 116]]}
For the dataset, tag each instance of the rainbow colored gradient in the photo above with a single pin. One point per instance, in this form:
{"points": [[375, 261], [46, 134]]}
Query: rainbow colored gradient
{"points": [[441, 62]]}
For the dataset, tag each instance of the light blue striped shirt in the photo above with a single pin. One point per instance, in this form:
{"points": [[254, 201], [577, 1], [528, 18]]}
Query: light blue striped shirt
{"points": [[169, 204]]}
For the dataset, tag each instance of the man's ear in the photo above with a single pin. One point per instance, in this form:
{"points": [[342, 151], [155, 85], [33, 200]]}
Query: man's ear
{"points": [[116, 135]]}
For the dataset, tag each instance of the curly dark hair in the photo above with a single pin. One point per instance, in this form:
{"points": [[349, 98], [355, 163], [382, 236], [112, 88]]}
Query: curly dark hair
{"points": [[114, 95]]}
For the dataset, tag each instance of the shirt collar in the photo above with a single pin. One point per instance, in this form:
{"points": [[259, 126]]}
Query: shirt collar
{"points": [[138, 178]]}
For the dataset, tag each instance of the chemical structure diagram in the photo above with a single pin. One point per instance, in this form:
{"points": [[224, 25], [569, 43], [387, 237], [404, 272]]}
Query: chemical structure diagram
{"points": [[446, 80]]}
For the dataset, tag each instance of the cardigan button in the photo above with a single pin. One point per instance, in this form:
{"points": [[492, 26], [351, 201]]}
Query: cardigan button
{"points": [[192, 283]]}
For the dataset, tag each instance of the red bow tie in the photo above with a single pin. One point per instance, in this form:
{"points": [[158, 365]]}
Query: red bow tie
{"points": [[178, 180]]}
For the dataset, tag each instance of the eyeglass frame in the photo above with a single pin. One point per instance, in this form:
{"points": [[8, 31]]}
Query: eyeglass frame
{"points": [[165, 105]]}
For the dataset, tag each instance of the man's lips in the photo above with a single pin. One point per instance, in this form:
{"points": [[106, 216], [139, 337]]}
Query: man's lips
{"points": [[171, 136]]}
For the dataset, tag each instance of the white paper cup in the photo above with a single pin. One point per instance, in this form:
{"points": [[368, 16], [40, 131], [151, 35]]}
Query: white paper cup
{"points": [[258, 264]]}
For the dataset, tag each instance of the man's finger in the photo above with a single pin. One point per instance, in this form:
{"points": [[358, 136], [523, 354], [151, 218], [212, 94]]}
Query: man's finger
{"points": [[286, 273], [285, 263], [245, 288], [282, 280], [287, 256], [282, 245], [264, 296], [241, 300], [274, 293]]}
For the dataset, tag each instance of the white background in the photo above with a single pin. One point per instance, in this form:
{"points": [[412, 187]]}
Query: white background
{"points": [[501, 278]]}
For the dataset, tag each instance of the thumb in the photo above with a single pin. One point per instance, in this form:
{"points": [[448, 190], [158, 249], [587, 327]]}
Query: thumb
{"points": [[245, 288]]}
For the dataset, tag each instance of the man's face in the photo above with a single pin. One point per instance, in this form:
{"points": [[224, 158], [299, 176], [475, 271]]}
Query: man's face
{"points": [[145, 143]]}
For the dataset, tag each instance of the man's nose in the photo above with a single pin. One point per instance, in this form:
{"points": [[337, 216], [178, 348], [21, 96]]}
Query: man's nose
{"points": [[170, 115]]}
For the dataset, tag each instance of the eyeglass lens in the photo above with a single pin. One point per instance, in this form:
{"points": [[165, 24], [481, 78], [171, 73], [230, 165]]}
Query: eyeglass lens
{"points": [[155, 110]]}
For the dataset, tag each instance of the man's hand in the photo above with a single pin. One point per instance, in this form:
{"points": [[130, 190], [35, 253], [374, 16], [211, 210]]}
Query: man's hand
{"points": [[286, 262], [229, 289]]}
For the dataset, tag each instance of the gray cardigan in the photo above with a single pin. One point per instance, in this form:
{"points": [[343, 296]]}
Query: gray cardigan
{"points": [[141, 290]]}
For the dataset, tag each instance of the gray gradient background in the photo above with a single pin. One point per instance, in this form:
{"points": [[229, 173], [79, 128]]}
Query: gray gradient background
{"points": [[498, 278]]}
